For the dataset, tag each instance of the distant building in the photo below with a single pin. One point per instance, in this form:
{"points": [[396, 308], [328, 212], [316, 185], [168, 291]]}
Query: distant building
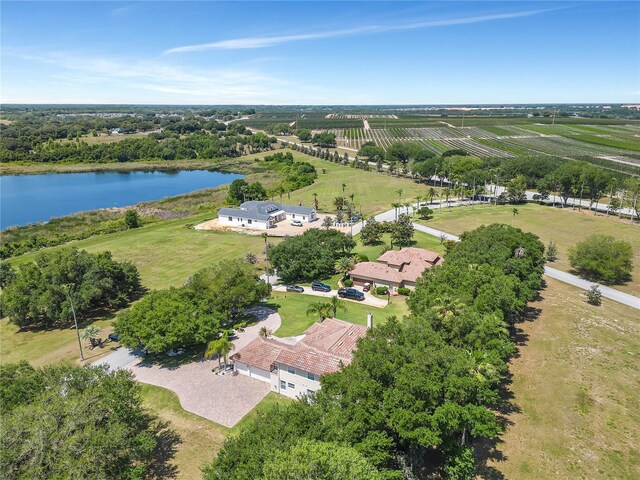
{"points": [[294, 369], [396, 268], [263, 215]]}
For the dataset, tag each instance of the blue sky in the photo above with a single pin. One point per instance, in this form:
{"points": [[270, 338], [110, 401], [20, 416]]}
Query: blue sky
{"points": [[320, 52]]}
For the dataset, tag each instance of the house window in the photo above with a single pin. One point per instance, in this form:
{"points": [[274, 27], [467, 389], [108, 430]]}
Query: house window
{"points": [[304, 218], [291, 385], [283, 385], [249, 221], [294, 215], [231, 219], [291, 370], [311, 376], [310, 392]]}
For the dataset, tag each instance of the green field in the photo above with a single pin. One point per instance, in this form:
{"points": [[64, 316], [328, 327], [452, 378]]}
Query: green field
{"points": [[564, 226], [615, 142], [374, 192], [576, 388]]}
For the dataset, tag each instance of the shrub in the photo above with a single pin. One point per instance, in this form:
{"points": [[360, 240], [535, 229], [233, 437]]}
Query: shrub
{"points": [[361, 257], [552, 252], [348, 283], [603, 258], [594, 296], [404, 291], [383, 290]]}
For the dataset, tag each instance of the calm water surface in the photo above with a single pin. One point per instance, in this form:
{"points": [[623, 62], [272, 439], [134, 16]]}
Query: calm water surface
{"points": [[27, 199]]}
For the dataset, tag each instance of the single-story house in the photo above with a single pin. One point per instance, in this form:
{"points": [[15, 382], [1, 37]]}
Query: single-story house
{"points": [[263, 215], [396, 268], [294, 369]]}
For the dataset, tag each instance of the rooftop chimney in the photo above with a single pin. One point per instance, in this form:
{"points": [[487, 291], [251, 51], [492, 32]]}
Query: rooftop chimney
{"points": [[369, 320]]}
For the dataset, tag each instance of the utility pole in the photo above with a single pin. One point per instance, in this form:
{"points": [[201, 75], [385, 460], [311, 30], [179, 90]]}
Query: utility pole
{"points": [[67, 291]]}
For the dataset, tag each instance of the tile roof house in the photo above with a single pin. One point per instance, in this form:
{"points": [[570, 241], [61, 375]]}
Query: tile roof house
{"points": [[396, 268], [295, 369], [262, 215]]}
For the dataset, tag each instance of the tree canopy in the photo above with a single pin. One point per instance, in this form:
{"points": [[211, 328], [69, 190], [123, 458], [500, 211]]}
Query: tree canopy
{"points": [[311, 255], [194, 314], [75, 423], [37, 296], [602, 257]]}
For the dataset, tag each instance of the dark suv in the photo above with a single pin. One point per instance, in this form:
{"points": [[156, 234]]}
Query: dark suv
{"points": [[320, 287], [351, 293]]}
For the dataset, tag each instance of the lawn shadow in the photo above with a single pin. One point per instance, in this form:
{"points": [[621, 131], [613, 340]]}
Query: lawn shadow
{"points": [[191, 355], [168, 440]]}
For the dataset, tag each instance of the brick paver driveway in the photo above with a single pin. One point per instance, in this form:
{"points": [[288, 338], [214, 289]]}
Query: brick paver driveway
{"points": [[225, 399]]}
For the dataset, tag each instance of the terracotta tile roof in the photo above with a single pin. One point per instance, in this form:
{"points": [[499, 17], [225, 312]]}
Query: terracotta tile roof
{"points": [[376, 271], [398, 265], [260, 353], [325, 346]]}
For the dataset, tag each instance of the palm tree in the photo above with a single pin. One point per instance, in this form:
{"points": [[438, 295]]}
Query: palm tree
{"points": [[447, 193], [336, 304], [220, 347], [323, 310], [265, 332], [396, 205], [446, 308], [418, 199], [432, 193], [316, 204], [399, 192], [344, 265], [514, 211], [91, 333]]}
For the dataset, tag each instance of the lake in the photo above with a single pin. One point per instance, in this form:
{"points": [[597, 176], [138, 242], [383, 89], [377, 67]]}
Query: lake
{"points": [[26, 199]]}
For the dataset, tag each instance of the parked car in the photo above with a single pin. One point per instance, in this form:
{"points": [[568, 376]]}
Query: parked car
{"points": [[295, 288], [366, 287], [296, 223], [175, 352], [351, 293], [320, 287], [114, 337], [355, 218]]}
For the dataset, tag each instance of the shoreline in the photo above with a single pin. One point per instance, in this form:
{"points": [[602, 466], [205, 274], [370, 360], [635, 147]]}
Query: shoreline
{"points": [[227, 165]]}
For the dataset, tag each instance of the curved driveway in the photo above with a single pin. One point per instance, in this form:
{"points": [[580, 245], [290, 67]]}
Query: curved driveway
{"points": [[224, 399]]}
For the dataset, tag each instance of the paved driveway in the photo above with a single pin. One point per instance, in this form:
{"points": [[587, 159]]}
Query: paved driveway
{"points": [[224, 399], [368, 298]]}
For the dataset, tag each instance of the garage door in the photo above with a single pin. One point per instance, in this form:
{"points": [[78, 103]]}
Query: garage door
{"points": [[260, 374]]}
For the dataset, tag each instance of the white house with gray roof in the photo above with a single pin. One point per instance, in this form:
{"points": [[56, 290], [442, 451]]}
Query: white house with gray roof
{"points": [[263, 215]]}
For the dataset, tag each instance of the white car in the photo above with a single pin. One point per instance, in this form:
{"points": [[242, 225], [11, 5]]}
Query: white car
{"points": [[296, 223]]}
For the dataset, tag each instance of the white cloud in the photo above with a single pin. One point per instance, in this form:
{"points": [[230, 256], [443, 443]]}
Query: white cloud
{"points": [[262, 42]]}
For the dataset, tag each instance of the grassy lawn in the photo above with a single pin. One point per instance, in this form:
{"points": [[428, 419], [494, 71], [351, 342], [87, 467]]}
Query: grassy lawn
{"points": [[564, 226], [168, 252], [374, 192], [292, 308], [577, 385], [42, 347], [267, 403]]}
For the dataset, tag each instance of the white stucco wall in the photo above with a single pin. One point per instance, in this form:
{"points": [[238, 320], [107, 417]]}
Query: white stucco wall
{"points": [[301, 217], [301, 383], [241, 222]]}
